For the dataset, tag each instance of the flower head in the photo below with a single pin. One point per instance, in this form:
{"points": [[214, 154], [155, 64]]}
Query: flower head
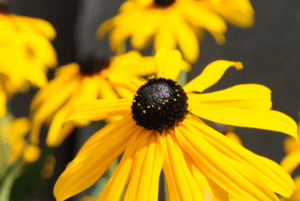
{"points": [[192, 155], [26, 53], [81, 82], [173, 22]]}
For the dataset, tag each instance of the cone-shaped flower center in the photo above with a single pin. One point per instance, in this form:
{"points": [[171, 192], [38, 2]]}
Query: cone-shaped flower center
{"points": [[4, 10], [163, 3], [159, 104], [92, 66]]}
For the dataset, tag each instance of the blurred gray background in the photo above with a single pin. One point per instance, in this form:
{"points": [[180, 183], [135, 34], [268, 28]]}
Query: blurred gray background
{"points": [[269, 51]]}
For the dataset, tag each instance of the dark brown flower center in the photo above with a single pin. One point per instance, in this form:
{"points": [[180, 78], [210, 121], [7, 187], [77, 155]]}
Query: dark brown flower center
{"points": [[92, 65], [4, 10], [163, 3], [159, 104]]}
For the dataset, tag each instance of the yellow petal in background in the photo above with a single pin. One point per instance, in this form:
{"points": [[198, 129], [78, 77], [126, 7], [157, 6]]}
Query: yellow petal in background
{"points": [[40, 25], [291, 161], [211, 74], [101, 109], [186, 38]]}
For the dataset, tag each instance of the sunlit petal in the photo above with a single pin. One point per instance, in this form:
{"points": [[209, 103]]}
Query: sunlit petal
{"points": [[210, 75]]}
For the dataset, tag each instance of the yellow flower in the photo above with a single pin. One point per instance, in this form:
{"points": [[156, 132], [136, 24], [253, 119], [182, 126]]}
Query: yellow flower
{"points": [[173, 22], [291, 161], [161, 129], [15, 133], [26, 53], [292, 148], [77, 83]]}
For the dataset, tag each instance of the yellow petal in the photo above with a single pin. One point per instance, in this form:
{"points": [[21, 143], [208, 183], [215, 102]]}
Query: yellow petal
{"points": [[41, 26], [141, 36], [165, 37], [270, 172], [133, 63], [147, 165], [101, 109], [179, 177], [261, 119], [211, 75], [88, 91], [55, 135], [41, 48], [202, 17], [168, 64], [291, 161], [234, 177], [239, 13], [93, 159], [124, 93], [250, 96], [186, 38], [117, 182], [126, 81], [106, 90], [48, 107], [52, 87]]}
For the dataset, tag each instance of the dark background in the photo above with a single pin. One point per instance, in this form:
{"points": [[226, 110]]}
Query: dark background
{"points": [[269, 51]]}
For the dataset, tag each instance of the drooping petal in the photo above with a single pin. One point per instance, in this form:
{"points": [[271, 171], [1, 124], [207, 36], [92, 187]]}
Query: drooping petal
{"points": [[48, 107], [261, 119], [214, 192], [142, 35], [270, 172], [206, 19], [55, 135], [147, 165], [101, 109], [168, 63], [117, 182], [250, 96], [291, 161], [94, 158], [186, 38], [233, 176], [164, 37], [239, 13], [181, 183], [211, 75]]}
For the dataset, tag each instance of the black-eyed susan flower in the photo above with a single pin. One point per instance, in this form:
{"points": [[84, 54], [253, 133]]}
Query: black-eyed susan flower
{"points": [[291, 161], [26, 53], [173, 22], [81, 82], [161, 129]]}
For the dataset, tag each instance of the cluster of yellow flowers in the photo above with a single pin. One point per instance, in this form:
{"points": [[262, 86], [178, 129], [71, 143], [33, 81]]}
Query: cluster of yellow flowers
{"points": [[156, 124]]}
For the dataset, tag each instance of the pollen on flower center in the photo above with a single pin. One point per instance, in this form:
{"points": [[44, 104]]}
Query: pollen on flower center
{"points": [[163, 3], [92, 66], [159, 104]]}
